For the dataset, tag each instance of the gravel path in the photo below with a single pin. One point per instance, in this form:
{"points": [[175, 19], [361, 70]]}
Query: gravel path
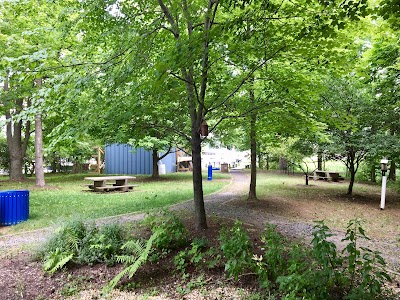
{"points": [[219, 204]]}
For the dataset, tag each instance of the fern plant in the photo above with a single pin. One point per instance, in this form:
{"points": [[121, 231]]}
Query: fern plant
{"points": [[173, 234], [83, 244], [63, 247], [55, 260], [139, 253]]}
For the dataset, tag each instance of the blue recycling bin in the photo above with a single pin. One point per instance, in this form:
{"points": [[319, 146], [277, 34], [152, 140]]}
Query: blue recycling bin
{"points": [[209, 177], [14, 207]]}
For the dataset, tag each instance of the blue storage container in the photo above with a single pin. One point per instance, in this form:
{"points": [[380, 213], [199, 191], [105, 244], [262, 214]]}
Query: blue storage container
{"points": [[14, 207]]}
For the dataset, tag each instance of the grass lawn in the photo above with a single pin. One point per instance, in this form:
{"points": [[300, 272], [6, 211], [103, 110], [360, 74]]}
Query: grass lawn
{"points": [[65, 197], [288, 196]]}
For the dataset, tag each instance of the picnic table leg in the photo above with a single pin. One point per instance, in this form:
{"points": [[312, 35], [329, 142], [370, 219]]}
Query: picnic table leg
{"points": [[98, 184], [122, 182]]}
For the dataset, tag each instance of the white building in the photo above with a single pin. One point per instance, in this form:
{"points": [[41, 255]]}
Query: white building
{"points": [[218, 156]]}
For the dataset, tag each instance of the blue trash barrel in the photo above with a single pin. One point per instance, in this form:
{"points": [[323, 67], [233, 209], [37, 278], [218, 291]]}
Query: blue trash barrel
{"points": [[14, 207], [209, 172]]}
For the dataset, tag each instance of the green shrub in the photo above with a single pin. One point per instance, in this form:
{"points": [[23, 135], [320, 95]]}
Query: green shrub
{"points": [[356, 274], [181, 261], [364, 268], [236, 247], [68, 238], [101, 245], [138, 256], [63, 247], [82, 244], [199, 255], [327, 258], [172, 232], [274, 251], [56, 260], [287, 266], [4, 155]]}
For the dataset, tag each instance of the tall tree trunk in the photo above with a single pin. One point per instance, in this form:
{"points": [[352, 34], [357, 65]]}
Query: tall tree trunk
{"points": [[199, 209], [55, 163], [253, 149], [196, 116], [372, 172], [16, 146], [319, 158], [260, 160], [392, 171], [267, 162], [155, 174], [39, 171], [352, 171], [283, 164], [195, 97]]}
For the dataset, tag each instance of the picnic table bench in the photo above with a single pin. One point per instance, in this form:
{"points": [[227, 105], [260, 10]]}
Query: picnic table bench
{"points": [[110, 183], [326, 175]]}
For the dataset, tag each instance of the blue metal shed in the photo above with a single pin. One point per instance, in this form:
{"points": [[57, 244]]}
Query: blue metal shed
{"points": [[125, 159]]}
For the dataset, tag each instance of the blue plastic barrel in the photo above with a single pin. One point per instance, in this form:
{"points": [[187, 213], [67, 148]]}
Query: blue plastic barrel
{"points": [[14, 207]]}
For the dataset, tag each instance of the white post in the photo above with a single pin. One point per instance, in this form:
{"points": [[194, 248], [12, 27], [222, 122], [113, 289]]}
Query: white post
{"points": [[384, 163], [383, 194]]}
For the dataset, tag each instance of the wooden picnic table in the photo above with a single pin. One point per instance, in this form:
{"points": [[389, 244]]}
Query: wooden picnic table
{"points": [[326, 175], [110, 183]]}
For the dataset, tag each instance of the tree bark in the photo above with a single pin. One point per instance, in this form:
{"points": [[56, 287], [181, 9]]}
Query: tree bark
{"points": [[39, 171], [155, 174], [372, 172], [319, 164], [392, 171], [253, 150], [352, 170], [16, 146], [283, 164], [55, 163], [199, 209]]}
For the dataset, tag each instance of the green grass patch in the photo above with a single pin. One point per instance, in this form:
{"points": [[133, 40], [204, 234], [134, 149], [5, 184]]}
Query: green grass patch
{"points": [[66, 197]]}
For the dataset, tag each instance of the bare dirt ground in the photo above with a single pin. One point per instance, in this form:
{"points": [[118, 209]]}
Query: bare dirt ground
{"points": [[22, 278]]}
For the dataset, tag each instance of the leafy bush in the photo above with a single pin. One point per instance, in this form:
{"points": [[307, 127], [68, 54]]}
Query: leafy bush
{"points": [[83, 244], [199, 255], [274, 251], [323, 273], [172, 234], [4, 155], [365, 269], [63, 246], [320, 278], [101, 245], [236, 247]]}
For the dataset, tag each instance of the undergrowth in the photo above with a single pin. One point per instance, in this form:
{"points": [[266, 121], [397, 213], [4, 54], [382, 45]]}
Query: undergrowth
{"points": [[82, 243], [284, 270]]}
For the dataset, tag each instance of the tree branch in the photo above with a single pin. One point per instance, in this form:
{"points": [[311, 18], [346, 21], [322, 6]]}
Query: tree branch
{"points": [[247, 77], [243, 115], [170, 18], [167, 128]]}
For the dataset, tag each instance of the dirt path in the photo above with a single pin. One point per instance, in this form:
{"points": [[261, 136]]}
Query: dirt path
{"points": [[225, 203]]}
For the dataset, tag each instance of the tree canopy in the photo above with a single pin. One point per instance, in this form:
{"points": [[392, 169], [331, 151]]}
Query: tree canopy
{"points": [[151, 72]]}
